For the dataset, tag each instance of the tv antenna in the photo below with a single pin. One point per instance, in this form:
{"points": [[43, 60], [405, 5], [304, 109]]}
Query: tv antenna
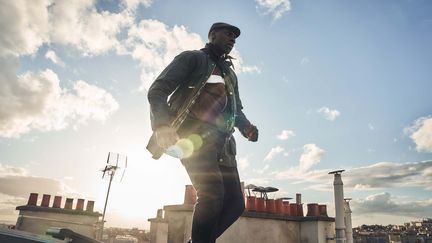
{"points": [[115, 163]]}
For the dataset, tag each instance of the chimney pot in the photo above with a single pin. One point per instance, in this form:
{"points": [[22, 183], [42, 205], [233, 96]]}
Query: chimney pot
{"points": [[80, 205], [260, 204], [57, 202], [300, 210], [190, 196], [286, 208], [270, 206], [279, 206], [68, 204], [32, 201], [250, 203], [312, 210], [45, 200], [90, 206], [159, 214], [323, 210], [293, 209], [298, 198]]}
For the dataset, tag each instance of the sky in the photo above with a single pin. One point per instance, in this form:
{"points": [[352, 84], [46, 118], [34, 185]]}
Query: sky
{"points": [[330, 85]]}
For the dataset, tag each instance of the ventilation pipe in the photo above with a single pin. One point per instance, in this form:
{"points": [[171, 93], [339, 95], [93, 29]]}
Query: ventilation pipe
{"points": [[339, 206], [348, 221]]}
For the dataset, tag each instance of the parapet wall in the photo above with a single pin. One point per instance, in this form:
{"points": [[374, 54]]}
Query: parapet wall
{"points": [[173, 223], [37, 219]]}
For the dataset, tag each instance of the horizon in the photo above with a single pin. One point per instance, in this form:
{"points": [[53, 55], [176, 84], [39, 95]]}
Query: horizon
{"points": [[330, 85]]}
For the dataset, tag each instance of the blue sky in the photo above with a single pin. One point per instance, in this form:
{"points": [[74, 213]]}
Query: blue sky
{"points": [[329, 84]]}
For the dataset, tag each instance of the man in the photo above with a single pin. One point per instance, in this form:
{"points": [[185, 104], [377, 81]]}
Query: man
{"points": [[204, 101]]}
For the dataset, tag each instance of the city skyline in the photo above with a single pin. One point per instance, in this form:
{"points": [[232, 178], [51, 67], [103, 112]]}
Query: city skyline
{"points": [[329, 84]]}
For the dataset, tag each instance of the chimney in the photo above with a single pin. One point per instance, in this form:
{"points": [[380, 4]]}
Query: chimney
{"points": [[90, 206], [279, 206], [159, 214], [190, 196], [45, 200], [68, 204], [339, 206], [250, 203], [323, 210], [80, 205], [286, 207], [270, 206], [298, 198], [348, 221], [57, 202], [312, 210], [32, 201]]}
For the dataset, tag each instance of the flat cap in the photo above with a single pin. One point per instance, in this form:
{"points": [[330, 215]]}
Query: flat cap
{"points": [[221, 25]]}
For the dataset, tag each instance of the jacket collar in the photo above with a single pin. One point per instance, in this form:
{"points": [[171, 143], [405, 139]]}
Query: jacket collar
{"points": [[216, 56]]}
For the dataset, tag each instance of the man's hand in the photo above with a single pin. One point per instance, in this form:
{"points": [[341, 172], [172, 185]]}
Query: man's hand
{"points": [[166, 136], [251, 133]]}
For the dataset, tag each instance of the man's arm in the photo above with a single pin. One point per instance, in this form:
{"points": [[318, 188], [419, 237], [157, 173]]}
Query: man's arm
{"points": [[169, 80], [245, 127]]}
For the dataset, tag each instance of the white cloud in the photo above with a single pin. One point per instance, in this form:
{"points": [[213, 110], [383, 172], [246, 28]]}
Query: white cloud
{"points": [[240, 66], [154, 45], [311, 155], [372, 177], [273, 152], [243, 163], [6, 170], [328, 113], [258, 181], [264, 169], [304, 61], [133, 4], [52, 56], [385, 203], [24, 26], [16, 185], [277, 8], [77, 23], [16, 182], [371, 127], [36, 101], [286, 134], [421, 134]]}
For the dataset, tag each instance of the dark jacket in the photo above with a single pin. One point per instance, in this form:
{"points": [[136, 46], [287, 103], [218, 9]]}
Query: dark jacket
{"points": [[183, 78]]}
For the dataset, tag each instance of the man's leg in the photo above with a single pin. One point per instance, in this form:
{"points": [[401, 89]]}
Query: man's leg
{"points": [[233, 205], [206, 177]]}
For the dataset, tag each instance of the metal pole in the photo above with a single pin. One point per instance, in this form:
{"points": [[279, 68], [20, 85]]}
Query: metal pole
{"points": [[106, 202]]}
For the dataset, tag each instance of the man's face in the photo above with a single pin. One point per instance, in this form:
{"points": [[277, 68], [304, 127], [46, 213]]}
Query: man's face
{"points": [[224, 39]]}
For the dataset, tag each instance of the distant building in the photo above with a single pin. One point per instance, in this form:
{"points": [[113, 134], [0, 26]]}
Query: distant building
{"points": [[419, 231], [37, 219]]}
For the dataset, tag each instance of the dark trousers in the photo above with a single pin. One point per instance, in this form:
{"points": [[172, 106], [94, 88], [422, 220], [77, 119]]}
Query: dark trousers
{"points": [[220, 198]]}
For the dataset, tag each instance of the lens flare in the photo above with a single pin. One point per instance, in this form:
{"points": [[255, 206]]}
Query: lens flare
{"points": [[186, 146], [196, 141]]}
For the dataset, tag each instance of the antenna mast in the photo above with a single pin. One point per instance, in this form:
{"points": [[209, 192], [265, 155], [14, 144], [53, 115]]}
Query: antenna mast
{"points": [[110, 170]]}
